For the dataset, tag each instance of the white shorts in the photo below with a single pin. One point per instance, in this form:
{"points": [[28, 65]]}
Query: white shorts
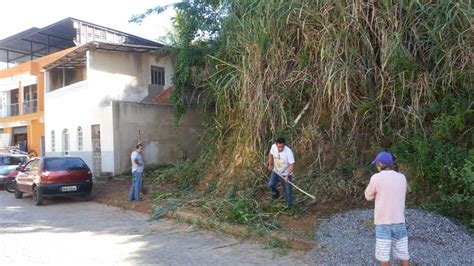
{"points": [[391, 237]]}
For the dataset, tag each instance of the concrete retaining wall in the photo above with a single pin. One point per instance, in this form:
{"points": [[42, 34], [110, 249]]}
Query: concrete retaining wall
{"points": [[163, 142]]}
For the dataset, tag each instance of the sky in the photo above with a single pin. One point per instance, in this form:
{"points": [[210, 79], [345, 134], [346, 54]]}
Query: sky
{"points": [[20, 15]]}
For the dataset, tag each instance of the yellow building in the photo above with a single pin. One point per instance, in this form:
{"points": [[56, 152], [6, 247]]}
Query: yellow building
{"points": [[22, 103]]}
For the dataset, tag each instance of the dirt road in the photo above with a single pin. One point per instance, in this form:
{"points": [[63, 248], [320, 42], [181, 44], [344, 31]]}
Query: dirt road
{"points": [[68, 231]]}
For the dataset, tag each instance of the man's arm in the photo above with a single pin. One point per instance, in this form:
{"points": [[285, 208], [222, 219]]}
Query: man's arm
{"points": [[291, 167], [270, 161], [370, 191], [290, 172]]}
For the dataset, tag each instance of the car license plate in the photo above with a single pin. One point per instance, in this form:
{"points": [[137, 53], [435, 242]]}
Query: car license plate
{"points": [[68, 188]]}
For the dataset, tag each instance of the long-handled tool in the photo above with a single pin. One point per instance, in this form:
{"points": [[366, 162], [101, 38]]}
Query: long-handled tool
{"points": [[295, 186], [304, 192]]}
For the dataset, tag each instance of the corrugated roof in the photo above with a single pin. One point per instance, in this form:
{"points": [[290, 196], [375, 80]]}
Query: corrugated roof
{"points": [[77, 57], [37, 42]]}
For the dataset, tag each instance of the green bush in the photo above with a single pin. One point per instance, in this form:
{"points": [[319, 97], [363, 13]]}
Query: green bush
{"points": [[441, 164]]}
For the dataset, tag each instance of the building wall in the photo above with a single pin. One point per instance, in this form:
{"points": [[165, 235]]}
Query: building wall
{"points": [[125, 76], [154, 125], [72, 107], [111, 76]]}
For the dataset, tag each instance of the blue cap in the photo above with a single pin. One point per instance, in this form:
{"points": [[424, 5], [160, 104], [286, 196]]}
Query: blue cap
{"points": [[383, 157]]}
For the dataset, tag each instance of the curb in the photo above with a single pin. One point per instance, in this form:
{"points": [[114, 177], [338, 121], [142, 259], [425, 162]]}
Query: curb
{"points": [[239, 230]]}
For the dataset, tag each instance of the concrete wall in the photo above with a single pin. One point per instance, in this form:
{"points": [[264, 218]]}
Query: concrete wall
{"points": [[163, 143], [125, 76]]}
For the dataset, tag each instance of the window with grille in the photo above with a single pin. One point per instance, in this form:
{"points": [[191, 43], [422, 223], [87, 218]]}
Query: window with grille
{"points": [[65, 142], [157, 75], [53, 141], [79, 139]]}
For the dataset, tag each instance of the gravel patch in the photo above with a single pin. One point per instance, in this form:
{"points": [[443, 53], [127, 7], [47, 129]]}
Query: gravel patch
{"points": [[349, 238]]}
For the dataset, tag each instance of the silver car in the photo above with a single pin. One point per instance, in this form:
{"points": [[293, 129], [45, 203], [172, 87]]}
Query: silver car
{"points": [[8, 165]]}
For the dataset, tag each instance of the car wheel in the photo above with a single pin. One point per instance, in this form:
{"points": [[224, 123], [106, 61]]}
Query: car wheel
{"points": [[37, 197], [10, 186], [18, 194]]}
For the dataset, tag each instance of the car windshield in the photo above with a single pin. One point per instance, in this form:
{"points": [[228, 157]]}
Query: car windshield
{"points": [[12, 160], [64, 164]]}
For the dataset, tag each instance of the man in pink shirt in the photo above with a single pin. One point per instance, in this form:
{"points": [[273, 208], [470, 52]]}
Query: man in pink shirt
{"points": [[388, 189]]}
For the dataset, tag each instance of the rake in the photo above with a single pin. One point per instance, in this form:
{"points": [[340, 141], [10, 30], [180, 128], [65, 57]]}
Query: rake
{"points": [[298, 188]]}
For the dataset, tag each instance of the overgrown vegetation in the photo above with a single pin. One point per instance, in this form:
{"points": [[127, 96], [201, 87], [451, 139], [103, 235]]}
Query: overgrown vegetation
{"points": [[245, 207], [340, 80]]}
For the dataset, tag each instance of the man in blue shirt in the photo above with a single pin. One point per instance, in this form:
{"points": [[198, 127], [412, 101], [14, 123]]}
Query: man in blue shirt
{"points": [[137, 172]]}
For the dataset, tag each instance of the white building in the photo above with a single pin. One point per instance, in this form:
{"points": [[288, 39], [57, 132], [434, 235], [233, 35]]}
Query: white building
{"points": [[97, 106], [25, 53]]}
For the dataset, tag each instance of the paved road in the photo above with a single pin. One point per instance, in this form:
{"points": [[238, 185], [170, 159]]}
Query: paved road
{"points": [[68, 231]]}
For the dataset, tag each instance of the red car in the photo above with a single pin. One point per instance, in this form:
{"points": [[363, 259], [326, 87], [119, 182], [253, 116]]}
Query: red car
{"points": [[54, 176]]}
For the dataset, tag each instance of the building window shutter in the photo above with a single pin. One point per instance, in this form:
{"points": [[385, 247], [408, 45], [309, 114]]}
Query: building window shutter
{"points": [[79, 139], [65, 142], [53, 141]]}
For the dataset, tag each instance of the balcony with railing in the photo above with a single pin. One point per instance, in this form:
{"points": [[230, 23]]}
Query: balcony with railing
{"points": [[26, 96], [9, 110], [29, 107]]}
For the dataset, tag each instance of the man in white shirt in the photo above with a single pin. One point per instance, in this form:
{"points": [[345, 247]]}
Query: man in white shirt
{"points": [[281, 162], [137, 172]]}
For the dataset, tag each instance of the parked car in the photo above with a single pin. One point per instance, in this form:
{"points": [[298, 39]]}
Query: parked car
{"points": [[54, 176], [8, 166]]}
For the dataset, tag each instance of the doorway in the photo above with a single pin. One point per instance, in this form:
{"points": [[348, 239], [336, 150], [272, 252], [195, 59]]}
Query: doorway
{"points": [[20, 138]]}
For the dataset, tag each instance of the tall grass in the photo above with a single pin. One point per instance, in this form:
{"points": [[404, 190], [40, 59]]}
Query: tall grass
{"points": [[339, 79]]}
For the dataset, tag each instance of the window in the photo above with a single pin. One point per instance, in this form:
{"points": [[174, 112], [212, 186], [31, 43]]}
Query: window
{"points": [[157, 75], [53, 141], [13, 160], [65, 142], [79, 139], [64, 164], [30, 99]]}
